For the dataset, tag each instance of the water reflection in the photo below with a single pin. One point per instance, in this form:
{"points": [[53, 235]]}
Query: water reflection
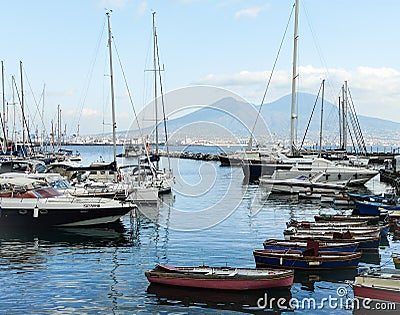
{"points": [[111, 235], [253, 302], [371, 257], [308, 279]]}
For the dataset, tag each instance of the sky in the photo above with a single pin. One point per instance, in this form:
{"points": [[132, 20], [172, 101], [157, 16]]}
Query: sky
{"points": [[229, 44]]}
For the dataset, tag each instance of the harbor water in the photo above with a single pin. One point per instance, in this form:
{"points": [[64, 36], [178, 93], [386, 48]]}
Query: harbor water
{"points": [[211, 218]]}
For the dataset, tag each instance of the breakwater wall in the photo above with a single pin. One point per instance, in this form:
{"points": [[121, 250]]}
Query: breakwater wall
{"points": [[192, 156]]}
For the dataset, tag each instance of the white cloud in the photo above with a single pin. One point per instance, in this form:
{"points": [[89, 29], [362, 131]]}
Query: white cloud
{"points": [[88, 112], [112, 4], [142, 8], [248, 13], [375, 91], [251, 12]]}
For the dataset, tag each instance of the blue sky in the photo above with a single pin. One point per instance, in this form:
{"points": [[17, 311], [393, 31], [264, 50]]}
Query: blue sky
{"points": [[230, 44]]}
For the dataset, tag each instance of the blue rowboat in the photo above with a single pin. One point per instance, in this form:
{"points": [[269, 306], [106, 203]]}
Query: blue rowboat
{"points": [[388, 198], [373, 207], [274, 244], [298, 260], [365, 242]]}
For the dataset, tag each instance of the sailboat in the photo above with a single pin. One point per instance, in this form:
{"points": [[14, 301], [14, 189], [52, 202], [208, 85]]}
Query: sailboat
{"points": [[162, 179], [105, 178], [294, 165]]}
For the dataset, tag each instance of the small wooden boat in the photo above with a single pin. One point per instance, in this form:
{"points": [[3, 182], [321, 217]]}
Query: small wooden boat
{"points": [[365, 242], [273, 244], [378, 285], [372, 220], [220, 278], [323, 224], [322, 231], [386, 197], [305, 260], [396, 260], [341, 199], [373, 207]]}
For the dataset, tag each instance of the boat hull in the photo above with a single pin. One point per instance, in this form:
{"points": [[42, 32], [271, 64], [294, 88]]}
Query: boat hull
{"points": [[364, 242], [372, 220], [376, 293], [323, 247], [253, 170], [183, 277], [371, 232], [46, 215], [373, 208], [224, 284], [284, 259]]}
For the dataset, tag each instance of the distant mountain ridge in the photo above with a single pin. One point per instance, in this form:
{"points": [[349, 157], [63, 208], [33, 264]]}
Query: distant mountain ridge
{"points": [[232, 118]]}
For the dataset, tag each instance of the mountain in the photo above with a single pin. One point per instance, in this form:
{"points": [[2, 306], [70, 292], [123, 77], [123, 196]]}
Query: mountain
{"points": [[231, 119]]}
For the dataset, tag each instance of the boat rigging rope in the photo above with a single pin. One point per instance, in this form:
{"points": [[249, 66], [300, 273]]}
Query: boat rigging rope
{"points": [[163, 104], [89, 76], [272, 72], [312, 113], [24, 123], [128, 90]]}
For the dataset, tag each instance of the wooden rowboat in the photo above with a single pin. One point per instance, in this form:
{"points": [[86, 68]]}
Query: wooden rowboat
{"points": [[302, 245], [322, 231], [372, 220], [366, 242], [323, 224], [378, 285], [220, 278], [295, 259]]}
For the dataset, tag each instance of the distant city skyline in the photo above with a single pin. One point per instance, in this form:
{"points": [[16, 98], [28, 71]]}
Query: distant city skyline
{"points": [[230, 44]]}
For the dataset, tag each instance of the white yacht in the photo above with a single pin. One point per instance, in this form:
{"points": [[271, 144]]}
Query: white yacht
{"points": [[332, 172]]}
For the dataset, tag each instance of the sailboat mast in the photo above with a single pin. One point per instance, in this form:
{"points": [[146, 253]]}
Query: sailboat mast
{"points": [[52, 134], [14, 133], [114, 126], [345, 102], [4, 101], [58, 126], [22, 108], [294, 78], [42, 144], [340, 121], [155, 77], [4, 108], [342, 144], [322, 118]]}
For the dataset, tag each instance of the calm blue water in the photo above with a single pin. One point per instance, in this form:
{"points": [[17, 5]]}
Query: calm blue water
{"points": [[211, 218]]}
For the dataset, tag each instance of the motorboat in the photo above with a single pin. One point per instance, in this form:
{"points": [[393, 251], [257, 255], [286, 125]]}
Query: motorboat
{"points": [[29, 203]]}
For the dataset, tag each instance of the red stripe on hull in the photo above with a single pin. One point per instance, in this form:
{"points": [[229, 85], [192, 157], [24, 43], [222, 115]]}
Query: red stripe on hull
{"points": [[225, 284], [376, 293]]}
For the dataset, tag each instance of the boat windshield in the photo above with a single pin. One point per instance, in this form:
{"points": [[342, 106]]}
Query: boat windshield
{"points": [[61, 184]]}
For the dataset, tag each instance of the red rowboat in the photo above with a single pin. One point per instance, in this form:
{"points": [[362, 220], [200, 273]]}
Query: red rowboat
{"points": [[221, 278], [383, 285]]}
